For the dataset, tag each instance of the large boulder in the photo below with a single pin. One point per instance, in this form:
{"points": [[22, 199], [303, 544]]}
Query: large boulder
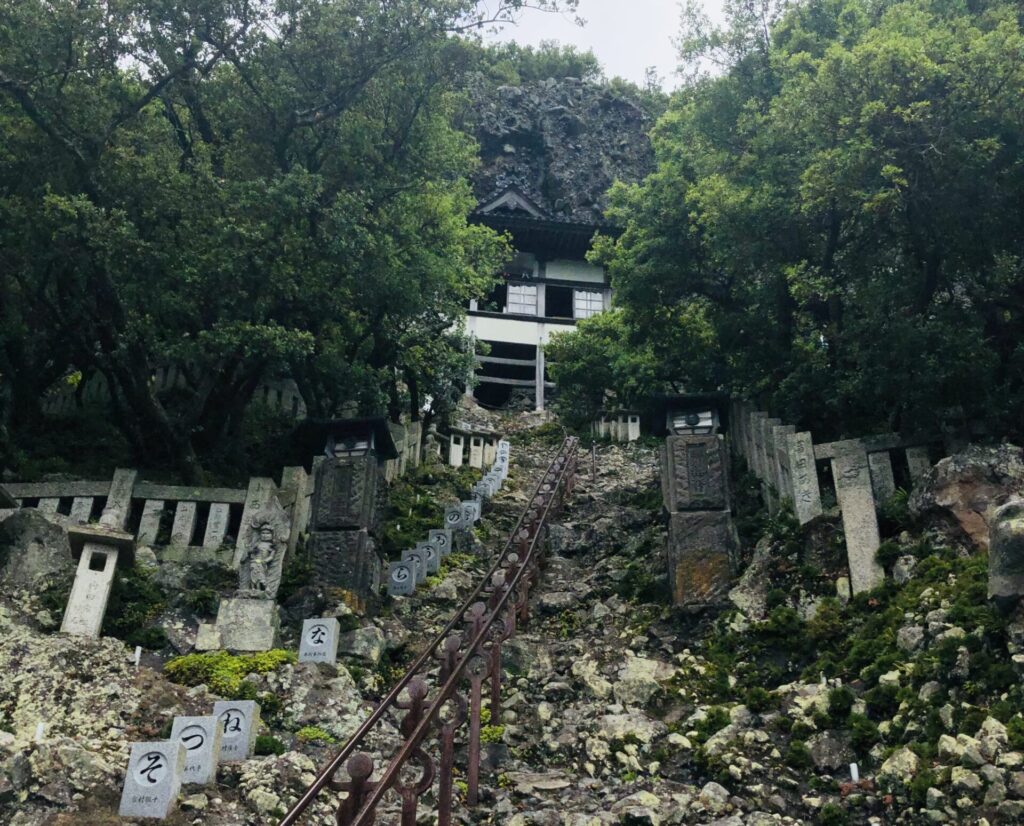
{"points": [[1006, 553], [971, 486], [34, 552]]}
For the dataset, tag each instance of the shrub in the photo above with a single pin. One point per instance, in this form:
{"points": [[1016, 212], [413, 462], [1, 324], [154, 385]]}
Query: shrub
{"points": [[887, 554], [798, 756], [832, 814], [840, 703], [1015, 733], [863, 733], [717, 719], [135, 602], [223, 672], [267, 745], [758, 699], [314, 734]]}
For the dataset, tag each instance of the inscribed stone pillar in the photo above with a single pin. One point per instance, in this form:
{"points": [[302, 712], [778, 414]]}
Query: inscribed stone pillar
{"points": [[783, 484], [804, 477], [153, 780], [754, 457], [91, 589], [455, 450], [240, 720], [768, 459], [217, 525], [883, 485], [184, 524], [119, 500], [149, 525], [860, 523], [476, 452], [81, 510], [201, 739], [296, 480], [319, 641], [918, 461]]}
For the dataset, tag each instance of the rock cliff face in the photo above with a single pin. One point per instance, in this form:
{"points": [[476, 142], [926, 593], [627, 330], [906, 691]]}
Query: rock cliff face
{"points": [[562, 142]]}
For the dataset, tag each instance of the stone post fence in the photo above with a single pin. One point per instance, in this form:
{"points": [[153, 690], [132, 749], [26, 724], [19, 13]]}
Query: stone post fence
{"points": [[786, 462]]}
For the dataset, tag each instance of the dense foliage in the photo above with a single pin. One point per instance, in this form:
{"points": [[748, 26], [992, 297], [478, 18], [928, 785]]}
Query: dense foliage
{"points": [[242, 189], [835, 223]]}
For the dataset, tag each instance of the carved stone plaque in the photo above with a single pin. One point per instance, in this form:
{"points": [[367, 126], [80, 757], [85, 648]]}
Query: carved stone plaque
{"points": [[346, 493], [695, 476]]}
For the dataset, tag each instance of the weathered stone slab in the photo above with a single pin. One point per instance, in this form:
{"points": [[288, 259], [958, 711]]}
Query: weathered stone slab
{"points": [[476, 452], [755, 454], [297, 482], [153, 780], [94, 577], [769, 481], [1006, 553], [454, 518], [804, 477], [783, 483], [184, 524], [81, 510], [701, 548], [257, 497], [419, 559], [149, 525], [119, 500], [239, 720], [248, 624], [695, 473], [431, 556], [470, 513], [48, 506], [402, 578], [217, 525], [883, 484], [201, 739], [456, 447], [860, 522], [345, 559], [319, 641], [443, 540], [918, 461]]}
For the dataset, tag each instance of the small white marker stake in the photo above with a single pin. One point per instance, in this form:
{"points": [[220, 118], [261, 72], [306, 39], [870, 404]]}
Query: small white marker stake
{"points": [[854, 773], [40, 730], [138, 655]]}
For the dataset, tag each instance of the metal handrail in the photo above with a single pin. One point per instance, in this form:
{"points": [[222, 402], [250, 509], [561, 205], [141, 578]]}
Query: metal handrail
{"points": [[555, 483]]}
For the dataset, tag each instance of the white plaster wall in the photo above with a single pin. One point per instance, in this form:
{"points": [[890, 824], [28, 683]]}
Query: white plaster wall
{"points": [[565, 270], [514, 330]]}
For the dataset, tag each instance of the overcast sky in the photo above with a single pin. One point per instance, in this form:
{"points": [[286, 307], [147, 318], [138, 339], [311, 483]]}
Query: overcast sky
{"points": [[626, 35]]}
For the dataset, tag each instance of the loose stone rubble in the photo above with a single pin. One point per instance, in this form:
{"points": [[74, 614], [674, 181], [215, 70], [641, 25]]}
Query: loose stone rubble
{"points": [[614, 712]]}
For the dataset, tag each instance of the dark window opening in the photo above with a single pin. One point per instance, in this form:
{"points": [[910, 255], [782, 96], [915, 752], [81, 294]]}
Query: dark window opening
{"points": [[495, 302], [558, 302]]}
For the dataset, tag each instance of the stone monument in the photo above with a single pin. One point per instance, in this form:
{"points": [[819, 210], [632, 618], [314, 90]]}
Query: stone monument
{"points": [[201, 739], [153, 779], [702, 541], [250, 621], [417, 558], [99, 548], [319, 642], [239, 720], [402, 578]]}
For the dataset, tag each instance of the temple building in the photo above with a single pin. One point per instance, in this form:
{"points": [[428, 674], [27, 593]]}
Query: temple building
{"points": [[546, 288]]}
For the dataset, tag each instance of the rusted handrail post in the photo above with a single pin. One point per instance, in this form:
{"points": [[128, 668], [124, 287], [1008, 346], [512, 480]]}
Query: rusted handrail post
{"points": [[490, 616]]}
